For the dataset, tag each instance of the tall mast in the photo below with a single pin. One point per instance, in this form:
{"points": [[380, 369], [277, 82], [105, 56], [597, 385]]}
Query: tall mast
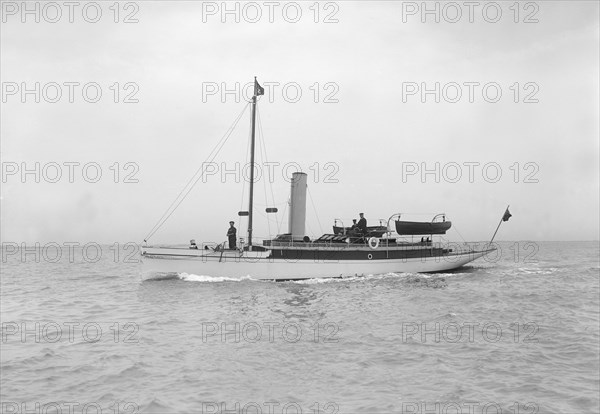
{"points": [[252, 165]]}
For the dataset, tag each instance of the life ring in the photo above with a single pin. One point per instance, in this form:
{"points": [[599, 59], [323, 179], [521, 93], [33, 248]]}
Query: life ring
{"points": [[373, 243]]}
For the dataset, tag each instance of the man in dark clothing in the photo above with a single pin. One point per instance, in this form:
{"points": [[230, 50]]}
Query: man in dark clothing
{"points": [[362, 224], [354, 232], [232, 235]]}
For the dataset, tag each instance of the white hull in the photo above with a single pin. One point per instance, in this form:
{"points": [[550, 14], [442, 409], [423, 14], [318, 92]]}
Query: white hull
{"points": [[162, 261]]}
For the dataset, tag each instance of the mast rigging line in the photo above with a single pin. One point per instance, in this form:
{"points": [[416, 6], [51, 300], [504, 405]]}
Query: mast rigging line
{"points": [[246, 160], [314, 209], [265, 159], [192, 182]]}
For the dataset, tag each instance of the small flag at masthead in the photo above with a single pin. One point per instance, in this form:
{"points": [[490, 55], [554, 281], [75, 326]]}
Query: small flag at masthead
{"points": [[258, 90]]}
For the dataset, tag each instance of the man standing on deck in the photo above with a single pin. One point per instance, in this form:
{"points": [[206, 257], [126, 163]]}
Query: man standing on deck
{"points": [[362, 224], [232, 235]]}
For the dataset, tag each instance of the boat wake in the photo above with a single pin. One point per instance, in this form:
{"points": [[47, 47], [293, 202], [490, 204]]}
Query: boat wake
{"points": [[384, 276], [210, 279], [191, 277], [157, 276]]}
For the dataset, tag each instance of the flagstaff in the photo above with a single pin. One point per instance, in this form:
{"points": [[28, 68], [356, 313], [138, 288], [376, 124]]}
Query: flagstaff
{"points": [[505, 217]]}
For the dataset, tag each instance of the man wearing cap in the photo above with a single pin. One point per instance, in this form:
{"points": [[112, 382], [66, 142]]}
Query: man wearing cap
{"points": [[362, 224], [232, 235]]}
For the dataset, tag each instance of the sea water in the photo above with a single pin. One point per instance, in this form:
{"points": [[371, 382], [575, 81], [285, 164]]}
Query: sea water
{"points": [[516, 333]]}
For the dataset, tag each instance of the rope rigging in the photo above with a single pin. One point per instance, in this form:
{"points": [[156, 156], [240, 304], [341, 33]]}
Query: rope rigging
{"points": [[315, 210], [265, 160], [241, 218], [194, 179]]}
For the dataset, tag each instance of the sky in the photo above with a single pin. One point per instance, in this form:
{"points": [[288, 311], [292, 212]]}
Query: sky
{"points": [[386, 109]]}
